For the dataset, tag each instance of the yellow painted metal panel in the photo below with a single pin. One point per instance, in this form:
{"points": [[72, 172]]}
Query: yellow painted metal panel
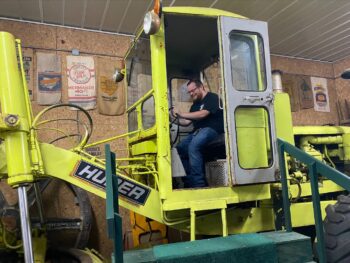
{"points": [[309, 130], [326, 186], [180, 199], [159, 83], [144, 147], [200, 11], [3, 165], [283, 117], [208, 205], [302, 214], [250, 220], [251, 129]]}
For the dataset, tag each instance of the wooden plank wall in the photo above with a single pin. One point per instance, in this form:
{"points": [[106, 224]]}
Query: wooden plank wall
{"points": [[313, 69], [342, 88]]}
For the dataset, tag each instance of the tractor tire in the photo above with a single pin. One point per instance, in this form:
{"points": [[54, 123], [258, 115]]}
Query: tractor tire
{"points": [[66, 228], [71, 231], [337, 230]]}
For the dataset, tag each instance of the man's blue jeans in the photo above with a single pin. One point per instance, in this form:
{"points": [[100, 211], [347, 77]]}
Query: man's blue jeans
{"points": [[190, 151]]}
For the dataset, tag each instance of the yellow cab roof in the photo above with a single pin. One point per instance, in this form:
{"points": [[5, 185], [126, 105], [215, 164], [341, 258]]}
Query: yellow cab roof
{"points": [[203, 11]]}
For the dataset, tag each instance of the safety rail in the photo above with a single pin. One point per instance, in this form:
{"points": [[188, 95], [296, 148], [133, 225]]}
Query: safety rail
{"points": [[316, 168], [114, 220]]}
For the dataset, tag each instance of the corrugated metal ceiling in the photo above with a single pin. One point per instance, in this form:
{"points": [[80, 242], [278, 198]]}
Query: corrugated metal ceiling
{"points": [[309, 29]]}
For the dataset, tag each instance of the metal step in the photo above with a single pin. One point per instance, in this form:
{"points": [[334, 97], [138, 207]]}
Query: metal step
{"points": [[286, 247]]}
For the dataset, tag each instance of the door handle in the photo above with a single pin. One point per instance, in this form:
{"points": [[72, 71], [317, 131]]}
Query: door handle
{"points": [[268, 99], [252, 99], [220, 101]]}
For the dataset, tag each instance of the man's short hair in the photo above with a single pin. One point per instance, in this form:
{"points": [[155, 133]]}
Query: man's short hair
{"points": [[197, 82]]}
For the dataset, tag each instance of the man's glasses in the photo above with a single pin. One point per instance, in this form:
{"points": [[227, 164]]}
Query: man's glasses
{"points": [[191, 91]]}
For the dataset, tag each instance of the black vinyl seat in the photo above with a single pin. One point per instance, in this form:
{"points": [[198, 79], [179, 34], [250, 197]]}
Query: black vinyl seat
{"points": [[215, 149]]}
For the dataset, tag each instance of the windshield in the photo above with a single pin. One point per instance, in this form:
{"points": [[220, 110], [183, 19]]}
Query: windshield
{"points": [[139, 71]]}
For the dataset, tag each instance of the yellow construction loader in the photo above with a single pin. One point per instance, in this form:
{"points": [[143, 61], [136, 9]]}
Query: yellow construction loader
{"points": [[230, 54]]}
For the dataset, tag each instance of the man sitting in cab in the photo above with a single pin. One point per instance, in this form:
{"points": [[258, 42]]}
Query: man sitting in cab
{"points": [[207, 119]]}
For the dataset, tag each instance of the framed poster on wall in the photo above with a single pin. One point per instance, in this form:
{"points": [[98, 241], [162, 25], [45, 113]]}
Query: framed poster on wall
{"points": [[320, 94]]}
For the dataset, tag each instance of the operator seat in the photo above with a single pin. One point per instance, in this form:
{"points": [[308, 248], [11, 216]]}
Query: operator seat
{"points": [[215, 149]]}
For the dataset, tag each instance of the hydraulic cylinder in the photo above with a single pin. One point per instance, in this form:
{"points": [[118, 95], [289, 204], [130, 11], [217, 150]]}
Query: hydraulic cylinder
{"points": [[13, 103]]}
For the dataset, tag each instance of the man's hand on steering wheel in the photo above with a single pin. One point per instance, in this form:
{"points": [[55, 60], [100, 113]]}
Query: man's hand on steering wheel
{"points": [[172, 116], [174, 119], [174, 113]]}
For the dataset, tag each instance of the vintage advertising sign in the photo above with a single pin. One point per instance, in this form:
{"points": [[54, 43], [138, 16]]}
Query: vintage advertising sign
{"points": [[49, 79], [81, 81], [96, 176], [320, 94], [299, 90], [111, 98], [305, 93]]}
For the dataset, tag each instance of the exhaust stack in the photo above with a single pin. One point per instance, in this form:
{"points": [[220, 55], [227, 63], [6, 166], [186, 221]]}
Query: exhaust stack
{"points": [[277, 81]]}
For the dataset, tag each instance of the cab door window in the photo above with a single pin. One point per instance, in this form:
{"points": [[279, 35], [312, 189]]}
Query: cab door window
{"points": [[247, 61]]}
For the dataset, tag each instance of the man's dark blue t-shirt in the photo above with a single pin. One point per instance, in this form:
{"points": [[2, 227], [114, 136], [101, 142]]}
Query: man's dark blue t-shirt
{"points": [[215, 119]]}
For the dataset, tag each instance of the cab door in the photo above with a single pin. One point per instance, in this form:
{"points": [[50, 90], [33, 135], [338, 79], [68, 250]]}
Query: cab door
{"points": [[249, 101]]}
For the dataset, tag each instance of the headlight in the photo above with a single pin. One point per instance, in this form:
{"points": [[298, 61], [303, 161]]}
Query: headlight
{"points": [[151, 23]]}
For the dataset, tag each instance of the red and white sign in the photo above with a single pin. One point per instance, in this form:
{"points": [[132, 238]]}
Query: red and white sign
{"points": [[81, 81]]}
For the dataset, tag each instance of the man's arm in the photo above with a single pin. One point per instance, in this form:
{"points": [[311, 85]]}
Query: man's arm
{"points": [[183, 122], [180, 121], [186, 118], [194, 116]]}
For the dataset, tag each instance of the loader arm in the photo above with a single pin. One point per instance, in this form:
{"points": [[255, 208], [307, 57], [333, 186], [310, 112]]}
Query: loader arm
{"points": [[64, 164], [89, 174]]}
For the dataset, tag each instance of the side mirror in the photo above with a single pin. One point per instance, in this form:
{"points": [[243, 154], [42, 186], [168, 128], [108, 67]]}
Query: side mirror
{"points": [[118, 75]]}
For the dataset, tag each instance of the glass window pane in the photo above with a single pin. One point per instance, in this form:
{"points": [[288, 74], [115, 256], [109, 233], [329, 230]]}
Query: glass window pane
{"points": [[179, 95], [132, 120], [139, 70], [148, 113], [247, 61], [253, 137], [212, 78]]}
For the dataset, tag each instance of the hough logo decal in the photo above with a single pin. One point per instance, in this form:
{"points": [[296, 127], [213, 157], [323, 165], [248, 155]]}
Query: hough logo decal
{"points": [[126, 188]]}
